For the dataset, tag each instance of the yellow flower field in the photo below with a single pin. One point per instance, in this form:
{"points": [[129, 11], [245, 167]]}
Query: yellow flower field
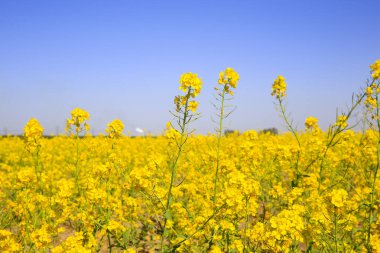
{"points": [[305, 190]]}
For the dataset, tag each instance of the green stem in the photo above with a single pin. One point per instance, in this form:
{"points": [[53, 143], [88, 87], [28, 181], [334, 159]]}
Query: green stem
{"points": [[27, 219], [108, 211], [219, 136], [373, 186], [109, 242], [37, 168], [246, 224], [77, 162], [294, 132], [174, 167], [335, 231]]}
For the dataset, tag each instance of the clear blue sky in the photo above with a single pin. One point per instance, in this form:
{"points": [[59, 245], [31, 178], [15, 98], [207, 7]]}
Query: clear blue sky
{"points": [[123, 59]]}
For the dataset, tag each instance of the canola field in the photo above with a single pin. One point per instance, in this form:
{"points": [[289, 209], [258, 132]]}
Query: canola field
{"points": [[305, 190]]}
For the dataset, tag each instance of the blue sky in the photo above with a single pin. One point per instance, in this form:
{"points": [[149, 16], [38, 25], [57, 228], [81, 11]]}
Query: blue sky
{"points": [[123, 59]]}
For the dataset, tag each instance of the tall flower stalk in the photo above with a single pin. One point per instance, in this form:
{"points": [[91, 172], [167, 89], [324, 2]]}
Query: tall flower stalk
{"points": [[228, 79], [279, 92], [372, 103], [115, 131], [33, 132], [78, 125], [185, 112]]}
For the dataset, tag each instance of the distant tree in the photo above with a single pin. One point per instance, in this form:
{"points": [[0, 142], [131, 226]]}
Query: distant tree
{"points": [[228, 132], [272, 130]]}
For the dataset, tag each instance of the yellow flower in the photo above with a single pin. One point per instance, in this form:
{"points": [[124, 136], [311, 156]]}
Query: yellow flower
{"points": [[115, 128], [78, 117], [221, 78], [32, 132], [130, 250], [169, 224], [369, 91], [191, 84], [114, 226], [370, 101], [73, 243], [41, 237], [180, 101], [338, 197], [33, 128], [342, 121], [215, 249], [168, 125], [311, 122], [229, 77], [190, 81], [8, 242], [171, 132], [193, 106], [279, 87], [375, 69]]}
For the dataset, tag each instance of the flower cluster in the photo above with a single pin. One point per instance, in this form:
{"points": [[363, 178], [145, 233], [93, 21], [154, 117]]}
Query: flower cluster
{"points": [[279, 87], [33, 132], [115, 128], [375, 68], [341, 122], [372, 92], [191, 84], [182, 102], [311, 123], [229, 79], [8, 242], [338, 197], [78, 120]]}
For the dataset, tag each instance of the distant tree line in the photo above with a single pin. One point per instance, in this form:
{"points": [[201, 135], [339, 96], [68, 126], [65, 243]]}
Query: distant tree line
{"points": [[272, 130]]}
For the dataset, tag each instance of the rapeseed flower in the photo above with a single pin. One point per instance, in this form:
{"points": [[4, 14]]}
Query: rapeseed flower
{"points": [[78, 120], [338, 197], [115, 128], [311, 123], [341, 121], [191, 84], [33, 132], [375, 69], [370, 101], [190, 81], [228, 78], [279, 87], [193, 105]]}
